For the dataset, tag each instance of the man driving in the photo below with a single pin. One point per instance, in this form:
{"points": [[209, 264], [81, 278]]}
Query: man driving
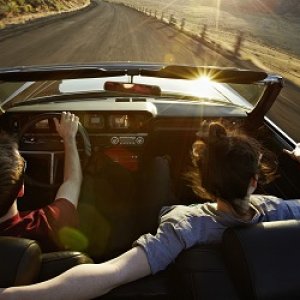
{"points": [[44, 224]]}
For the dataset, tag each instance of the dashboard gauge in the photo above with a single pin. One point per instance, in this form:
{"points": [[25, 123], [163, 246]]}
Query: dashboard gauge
{"points": [[94, 121], [120, 121], [43, 124], [141, 121]]}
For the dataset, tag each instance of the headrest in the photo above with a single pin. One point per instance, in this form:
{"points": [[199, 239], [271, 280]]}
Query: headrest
{"points": [[263, 259], [19, 260]]}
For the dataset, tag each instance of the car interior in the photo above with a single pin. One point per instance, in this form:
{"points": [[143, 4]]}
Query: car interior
{"points": [[118, 142]]}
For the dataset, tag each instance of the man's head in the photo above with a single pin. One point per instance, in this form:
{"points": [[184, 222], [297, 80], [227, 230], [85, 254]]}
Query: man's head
{"points": [[11, 172]]}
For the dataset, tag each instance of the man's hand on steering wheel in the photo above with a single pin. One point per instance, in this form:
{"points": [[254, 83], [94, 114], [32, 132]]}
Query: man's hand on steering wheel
{"points": [[68, 126]]}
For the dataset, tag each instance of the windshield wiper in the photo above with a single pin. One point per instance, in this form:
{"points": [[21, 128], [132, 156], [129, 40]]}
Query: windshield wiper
{"points": [[191, 98], [61, 98]]}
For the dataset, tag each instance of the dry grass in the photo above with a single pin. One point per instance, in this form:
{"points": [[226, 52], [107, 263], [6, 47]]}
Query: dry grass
{"points": [[269, 41]]}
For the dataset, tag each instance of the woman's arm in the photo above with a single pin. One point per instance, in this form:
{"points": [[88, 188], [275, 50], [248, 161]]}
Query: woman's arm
{"points": [[86, 281]]}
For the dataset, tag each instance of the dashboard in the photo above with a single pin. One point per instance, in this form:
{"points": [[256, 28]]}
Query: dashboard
{"points": [[99, 121], [103, 127], [127, 132], [126, 122], [115, 122]]}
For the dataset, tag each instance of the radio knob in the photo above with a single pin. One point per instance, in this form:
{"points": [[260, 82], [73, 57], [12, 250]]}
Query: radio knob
{"points": [[115, 140], [139, 140]]}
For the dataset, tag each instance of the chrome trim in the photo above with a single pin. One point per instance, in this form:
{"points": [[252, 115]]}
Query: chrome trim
{"points": [[283, 133]]}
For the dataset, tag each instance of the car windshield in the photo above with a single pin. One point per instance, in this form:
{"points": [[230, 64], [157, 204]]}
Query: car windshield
{"points": [[260, 35], [242, 95]]}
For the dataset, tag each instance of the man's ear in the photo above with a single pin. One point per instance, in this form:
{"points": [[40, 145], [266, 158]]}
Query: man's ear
{"points": [[255, 178], [21, 191], [252, 184]]}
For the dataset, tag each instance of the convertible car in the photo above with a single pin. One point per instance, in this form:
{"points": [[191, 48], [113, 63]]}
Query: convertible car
{"points": [[131, 114]]}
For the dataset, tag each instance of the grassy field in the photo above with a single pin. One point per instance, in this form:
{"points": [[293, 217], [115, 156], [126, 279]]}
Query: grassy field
{"points": [[270, 41]]}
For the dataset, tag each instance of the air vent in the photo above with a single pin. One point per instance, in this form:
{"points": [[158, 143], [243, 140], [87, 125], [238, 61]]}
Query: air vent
{"points": [[123, 99], [137, 99]]}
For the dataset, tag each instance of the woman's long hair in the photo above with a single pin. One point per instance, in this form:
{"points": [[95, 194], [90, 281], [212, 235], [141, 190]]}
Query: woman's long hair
{"points": [[224, 163]]}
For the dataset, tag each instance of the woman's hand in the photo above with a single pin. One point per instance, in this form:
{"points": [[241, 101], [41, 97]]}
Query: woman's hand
{"points": [[295, 154]]}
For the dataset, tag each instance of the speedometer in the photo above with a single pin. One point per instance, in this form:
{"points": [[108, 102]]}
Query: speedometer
{"points": [[43, 124], [94, 121], [119, 121]]}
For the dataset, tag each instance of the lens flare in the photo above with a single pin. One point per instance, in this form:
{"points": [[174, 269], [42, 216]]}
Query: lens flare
{"points": [[203, 87]]}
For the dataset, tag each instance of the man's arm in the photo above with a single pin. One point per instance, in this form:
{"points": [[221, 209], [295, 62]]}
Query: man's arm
{"points": [[67, 129], [86, 281]]}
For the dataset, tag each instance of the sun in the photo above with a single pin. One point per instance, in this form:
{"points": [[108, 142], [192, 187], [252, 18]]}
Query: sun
{"points": [[203, 87]]}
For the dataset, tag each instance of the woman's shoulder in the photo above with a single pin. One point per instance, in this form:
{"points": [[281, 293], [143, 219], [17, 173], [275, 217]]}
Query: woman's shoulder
{"points": [[276, 207], [264, 202], [260, 199], [181, 213]]}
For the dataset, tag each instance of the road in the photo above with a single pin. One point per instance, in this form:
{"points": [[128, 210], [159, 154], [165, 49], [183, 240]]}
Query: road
{"points": [[109, 32]]}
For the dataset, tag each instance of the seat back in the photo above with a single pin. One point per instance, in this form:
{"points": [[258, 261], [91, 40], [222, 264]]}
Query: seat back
{"points": [[263, 260], [20, 261], [202, 274], [56, 263]]}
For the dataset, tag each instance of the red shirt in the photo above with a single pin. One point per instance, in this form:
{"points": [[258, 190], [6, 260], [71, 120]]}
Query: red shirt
{"points": [[43, 224]]}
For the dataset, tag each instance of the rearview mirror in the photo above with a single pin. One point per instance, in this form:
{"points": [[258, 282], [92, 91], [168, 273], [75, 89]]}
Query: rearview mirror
{"points": [[132, 88]]}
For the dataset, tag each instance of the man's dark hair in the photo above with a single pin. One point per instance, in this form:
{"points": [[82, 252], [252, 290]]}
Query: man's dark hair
{"points": [[224, 163], [11, 172]]}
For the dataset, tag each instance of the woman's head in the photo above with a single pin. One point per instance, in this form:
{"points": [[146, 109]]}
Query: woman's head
{"points": [[227, 163]]}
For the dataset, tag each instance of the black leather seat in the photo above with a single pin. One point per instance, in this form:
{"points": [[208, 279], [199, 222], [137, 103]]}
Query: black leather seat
{"points": [[20, 261], [202, 274], [263, 260], [55, 263], [23, 263], [254, 262]]}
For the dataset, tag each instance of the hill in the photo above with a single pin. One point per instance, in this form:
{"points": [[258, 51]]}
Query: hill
{"points": [[278, 7], [20, 11]]}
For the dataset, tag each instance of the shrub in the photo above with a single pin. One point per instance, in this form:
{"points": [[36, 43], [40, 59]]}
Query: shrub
{"points": [[3, 10], [27, 8], [34, 3], [21, 2], [13, 7]]}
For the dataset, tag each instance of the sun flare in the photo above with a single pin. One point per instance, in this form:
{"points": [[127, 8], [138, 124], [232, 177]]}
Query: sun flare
{"points": [[203, 87]]}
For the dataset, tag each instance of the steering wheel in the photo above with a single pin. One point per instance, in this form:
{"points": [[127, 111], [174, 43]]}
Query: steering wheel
{"points": [[35, 148]]}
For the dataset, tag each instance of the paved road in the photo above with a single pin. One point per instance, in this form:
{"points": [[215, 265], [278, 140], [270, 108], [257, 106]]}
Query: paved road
{"points": [[109, 32]]}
